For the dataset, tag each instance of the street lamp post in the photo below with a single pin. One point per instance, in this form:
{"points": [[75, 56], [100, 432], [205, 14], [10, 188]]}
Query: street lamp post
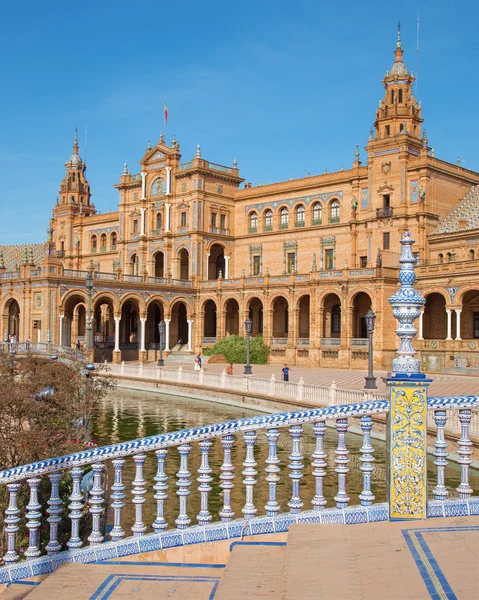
{"points": [[161, 331], [88, 328], [249, 327], [370, 322]]}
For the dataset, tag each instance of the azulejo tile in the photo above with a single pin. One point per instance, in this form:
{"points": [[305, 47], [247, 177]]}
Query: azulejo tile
{"points": [[84, 556], [106, 551], [261, 526], [149, 543], [171, 539], [195, 535], [4, 576], [20, 571], [333, 516], [474, 506], [310, 517], [435, 509], [355, 514], [235, 528], [456, 508], [283, 522], [41, 566], [215, 532], [378, 512], [126, 547]]}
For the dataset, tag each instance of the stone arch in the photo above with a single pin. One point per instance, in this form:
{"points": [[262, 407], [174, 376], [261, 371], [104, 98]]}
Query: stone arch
{"points": [[331, 306], [280, 307], [158, 258], [299, 214], [103, 312], [134, 263], [103, 241], [11, 318], [361, 303], [255, 310], [209, 309], [304, 316], [74, 307], [252, 219], [470, 314], [216, 261], [232, 315], [183, 258], [435, 317], [179, 323], [267, 216], [283, 214], [334, 209], [155, 313]]}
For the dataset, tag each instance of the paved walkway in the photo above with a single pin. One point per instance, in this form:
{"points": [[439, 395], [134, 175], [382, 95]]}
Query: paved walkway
{"points": [[442, 384]]}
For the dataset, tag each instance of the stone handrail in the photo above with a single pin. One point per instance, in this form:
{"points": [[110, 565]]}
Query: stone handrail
{"points": [[46, 348], [72, 465]]}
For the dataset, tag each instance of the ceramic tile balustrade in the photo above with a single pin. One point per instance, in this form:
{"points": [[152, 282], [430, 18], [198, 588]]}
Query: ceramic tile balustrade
{"points": [[255, 519]]}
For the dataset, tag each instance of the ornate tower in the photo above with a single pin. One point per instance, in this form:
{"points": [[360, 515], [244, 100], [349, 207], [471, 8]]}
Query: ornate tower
{"points": [[74, 200], [399, 112]]}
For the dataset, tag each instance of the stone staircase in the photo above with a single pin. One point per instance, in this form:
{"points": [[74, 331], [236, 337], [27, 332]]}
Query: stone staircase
{"points": [[317, 561]]}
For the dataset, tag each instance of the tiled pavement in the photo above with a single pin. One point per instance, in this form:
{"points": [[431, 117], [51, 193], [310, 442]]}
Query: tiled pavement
{"points": [[351, 379]]}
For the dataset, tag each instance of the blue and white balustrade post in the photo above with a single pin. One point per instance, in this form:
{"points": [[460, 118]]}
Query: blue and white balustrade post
{"points": [[204, 516], [160, 496], [183, 485], [97, 501], [407, 418], [272, 506], [227, 477], [319, 463], [249, 472], [12, 520], [54, 511], [139, 492], [296, 466], [464, 450], [342, 462], [366, 497], [34, 517], [76, 508], [117, 497], [440, 491]]}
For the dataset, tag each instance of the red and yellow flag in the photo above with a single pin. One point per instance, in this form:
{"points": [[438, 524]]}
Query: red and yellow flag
{"points": [[165, 110]]}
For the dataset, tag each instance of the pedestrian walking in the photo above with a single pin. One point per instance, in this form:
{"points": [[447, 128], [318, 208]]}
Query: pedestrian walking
{"points": [[229, 369], [198, 363], [27, 344], [285, 373]]}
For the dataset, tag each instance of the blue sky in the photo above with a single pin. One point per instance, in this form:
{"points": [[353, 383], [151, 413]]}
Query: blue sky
{"points": [[285, 87]]}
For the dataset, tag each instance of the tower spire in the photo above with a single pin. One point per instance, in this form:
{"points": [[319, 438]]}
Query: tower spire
{"points": [[398, 43], [75, 141]]}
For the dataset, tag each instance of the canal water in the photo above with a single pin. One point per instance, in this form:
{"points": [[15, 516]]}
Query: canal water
{"points": [[127, 414]]}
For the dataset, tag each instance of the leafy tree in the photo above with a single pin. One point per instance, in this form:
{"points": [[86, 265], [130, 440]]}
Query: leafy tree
{"points": [[45, 410], [233, 348]]}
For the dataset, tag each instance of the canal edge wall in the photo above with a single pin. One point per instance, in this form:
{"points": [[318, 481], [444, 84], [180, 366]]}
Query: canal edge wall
{"points": [[267, 405]]}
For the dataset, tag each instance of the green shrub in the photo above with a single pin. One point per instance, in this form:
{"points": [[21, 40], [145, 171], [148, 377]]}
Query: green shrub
{"points": [[234, 349]]}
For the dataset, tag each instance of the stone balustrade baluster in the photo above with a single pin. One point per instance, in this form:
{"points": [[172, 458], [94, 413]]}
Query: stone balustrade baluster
{"points": [[54, 511], [464, 450], [227, 477], [183, 485], [204, 516], [34, 517], [76, 508], [296, 466], [139, 492], [117, 497], [319, 465], [440, 452], [367, 459], [12, 520], [272, 506], [160, 496], [97, 501], [249, 472], [341, 461]]}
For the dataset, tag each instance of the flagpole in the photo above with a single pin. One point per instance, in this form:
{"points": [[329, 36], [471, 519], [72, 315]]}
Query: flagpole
{"points": [[417, 54], [165, 116]]}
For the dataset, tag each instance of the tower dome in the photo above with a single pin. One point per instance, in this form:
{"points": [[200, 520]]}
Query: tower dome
{"points": [[398, 69], [75, 160]]}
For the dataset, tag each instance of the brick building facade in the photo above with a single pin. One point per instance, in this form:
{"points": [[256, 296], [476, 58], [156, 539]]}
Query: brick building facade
{"points": [[194, 245]]}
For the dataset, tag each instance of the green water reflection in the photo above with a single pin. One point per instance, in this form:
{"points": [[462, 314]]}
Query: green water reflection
{"points": [[128, 414]]}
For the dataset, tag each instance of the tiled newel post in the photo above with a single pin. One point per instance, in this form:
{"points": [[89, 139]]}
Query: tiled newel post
{"points": [[407, 419]]}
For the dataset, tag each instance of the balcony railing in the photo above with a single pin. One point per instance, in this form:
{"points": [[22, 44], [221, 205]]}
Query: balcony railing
{"points": [[279, 341], [220, 231], [252, 230], [132, 278], [183, 282], [158, 280], [208, 340], [363, 342], [10, 275], [385, 211], [104, 276], [317, 222], [331, 342], [302, 341], [74, 274]]}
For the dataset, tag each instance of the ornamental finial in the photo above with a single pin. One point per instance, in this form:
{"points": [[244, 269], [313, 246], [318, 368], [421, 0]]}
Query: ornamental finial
{"points": [[406, 304], [398, 43], [198, 151], [125, 169]]}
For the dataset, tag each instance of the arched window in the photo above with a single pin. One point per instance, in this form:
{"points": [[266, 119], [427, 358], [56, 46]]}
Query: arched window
{"points": [[158, 187], [440, 258], [158, 221], [472, 255], [400, 96], [253, 222], [113, 241], [283, 218], [334, 211], [300, 216], [268, 220], [103, 242], [317, 214], [449, 257], [93, 243]]}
